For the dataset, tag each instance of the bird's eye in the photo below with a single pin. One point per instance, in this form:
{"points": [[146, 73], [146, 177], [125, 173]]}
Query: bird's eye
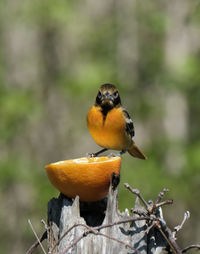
{"points": [[99, 94], [115, 94]]}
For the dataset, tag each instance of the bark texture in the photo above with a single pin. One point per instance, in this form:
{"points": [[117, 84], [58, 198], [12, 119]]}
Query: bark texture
{"points": [[93, 238]]}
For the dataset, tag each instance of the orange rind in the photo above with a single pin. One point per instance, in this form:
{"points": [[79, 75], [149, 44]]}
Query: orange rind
{"points": [[89, 178]]}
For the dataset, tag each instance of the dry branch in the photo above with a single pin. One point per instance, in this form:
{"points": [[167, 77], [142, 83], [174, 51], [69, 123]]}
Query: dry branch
{"points": [[98, 227], [116, 233]]}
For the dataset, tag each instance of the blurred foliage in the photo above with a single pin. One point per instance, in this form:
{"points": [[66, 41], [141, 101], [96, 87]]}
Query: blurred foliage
{"points": [[53, 58]]}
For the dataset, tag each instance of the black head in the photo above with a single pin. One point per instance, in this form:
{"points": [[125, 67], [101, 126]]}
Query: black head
{"points": [[108, 97]]}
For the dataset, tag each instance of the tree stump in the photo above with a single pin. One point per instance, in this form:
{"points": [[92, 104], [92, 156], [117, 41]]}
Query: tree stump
{"points": [[99, 227]]}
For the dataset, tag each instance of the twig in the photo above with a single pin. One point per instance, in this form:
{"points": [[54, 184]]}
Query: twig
{"points": [[65, 233], [152, 216], [72, 244], [167, 234], [137, 192], [96, 232], [130, 219], [150, 207], [166, 202], [36, 243], [177, 228], [45, 224], [155, 206], [161, 195], [193, 246], [162, 227], [140, 213], [119, 241], [149, 228], [38, 239]]}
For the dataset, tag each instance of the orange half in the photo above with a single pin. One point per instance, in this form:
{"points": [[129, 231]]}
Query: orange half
{"points": [[89, 178]]}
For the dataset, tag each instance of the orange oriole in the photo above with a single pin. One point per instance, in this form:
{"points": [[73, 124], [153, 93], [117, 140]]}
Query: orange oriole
{"points": [[110, 124]]}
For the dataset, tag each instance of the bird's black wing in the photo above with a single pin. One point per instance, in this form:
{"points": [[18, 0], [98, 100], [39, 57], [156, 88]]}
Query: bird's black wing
{"points": [[129, 123]]}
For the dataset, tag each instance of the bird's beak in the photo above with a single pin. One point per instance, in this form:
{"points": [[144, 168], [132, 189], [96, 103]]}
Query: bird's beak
{"points": [[107, 100]]}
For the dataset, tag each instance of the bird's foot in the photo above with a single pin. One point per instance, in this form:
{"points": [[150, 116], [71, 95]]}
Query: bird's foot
{"points": [[122, 152], [91, 155], [97, 153], [116, 154]]}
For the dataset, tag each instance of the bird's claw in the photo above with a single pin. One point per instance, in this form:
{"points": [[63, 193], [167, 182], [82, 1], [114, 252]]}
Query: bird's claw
{"points": [[122, 152], [114, 155], [91, 155]]}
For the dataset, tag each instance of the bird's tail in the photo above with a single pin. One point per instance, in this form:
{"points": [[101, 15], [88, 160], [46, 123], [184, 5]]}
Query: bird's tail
{"points": [[135, 152]]}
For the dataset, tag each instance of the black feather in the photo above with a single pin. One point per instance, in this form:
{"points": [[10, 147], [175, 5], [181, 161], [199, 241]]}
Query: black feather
{"points": [[129, 123]]}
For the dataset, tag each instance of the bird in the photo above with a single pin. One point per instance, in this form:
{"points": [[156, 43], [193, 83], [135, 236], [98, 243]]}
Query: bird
{"points": [[110, 124]]}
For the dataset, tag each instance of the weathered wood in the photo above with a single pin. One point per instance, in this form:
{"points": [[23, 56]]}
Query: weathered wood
{"points": [[127, 237]]}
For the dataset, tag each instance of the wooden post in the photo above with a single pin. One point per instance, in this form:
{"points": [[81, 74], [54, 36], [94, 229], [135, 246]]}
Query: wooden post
{"points": [[93, 228]]}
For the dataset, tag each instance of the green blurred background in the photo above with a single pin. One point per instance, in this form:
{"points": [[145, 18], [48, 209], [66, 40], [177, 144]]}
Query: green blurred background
{"points": [[53, 57]]}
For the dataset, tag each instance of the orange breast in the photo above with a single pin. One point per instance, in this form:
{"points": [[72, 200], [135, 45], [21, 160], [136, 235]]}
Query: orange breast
{"points": [[109, 133]]}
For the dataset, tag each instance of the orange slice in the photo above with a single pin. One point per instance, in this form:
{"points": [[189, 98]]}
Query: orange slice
{"points": [[89, 178]]}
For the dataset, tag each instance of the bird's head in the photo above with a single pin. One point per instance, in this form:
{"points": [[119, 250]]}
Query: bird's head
{"points": [[108, 97]]}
